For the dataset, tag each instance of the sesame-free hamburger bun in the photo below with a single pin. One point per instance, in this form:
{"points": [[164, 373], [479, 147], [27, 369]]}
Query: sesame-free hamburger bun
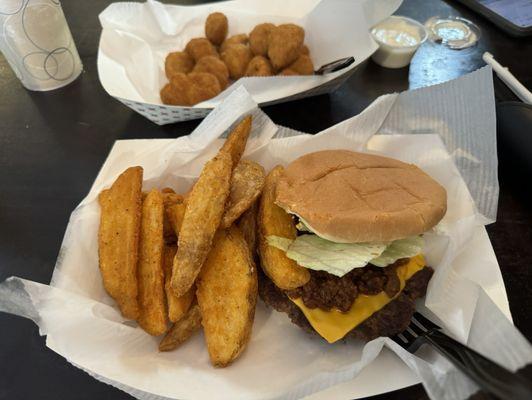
{"points": [[347, 197]]}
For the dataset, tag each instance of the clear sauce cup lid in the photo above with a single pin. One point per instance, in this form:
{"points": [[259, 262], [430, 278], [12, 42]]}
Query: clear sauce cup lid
{"points": [[453, 32]]}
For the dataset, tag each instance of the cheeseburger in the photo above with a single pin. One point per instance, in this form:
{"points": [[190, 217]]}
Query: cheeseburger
{"points": [[341, 239]]}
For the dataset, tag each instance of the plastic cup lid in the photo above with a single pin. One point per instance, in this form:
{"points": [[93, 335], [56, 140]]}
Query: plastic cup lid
{"points": [[453, 32]]}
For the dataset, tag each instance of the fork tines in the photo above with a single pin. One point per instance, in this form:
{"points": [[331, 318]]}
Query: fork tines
{"points": [[410, 338]]}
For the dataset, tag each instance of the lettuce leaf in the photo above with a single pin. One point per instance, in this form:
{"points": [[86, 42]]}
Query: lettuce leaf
{"points": [[314, 252], [402, 248], [279, 242]]}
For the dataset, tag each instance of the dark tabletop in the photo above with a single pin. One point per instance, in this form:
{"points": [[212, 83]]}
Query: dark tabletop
{"points": [[53, 144]]}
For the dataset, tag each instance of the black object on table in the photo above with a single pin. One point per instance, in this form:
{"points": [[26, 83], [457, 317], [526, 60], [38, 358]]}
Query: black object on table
{"points": [[490, 377], [53, 144]]}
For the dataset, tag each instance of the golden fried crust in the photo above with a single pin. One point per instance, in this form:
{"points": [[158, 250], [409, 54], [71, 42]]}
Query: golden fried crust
{"points": [[175, 214], [285, 45], [288, 72], [241, 38], [237, 58], [176, 62], [169, 198], [247, 223], [216, 28], [305, 50], [203, 86], [236, 141], [118, 239], [215, 66], [273, 220], [182, 330], [203, 214], [187, 90], [200, 47], [174, 95], [151, 296], [227, 295], [302, 66], [259, 66], [247, 182], [259, 38], [177, 306]]}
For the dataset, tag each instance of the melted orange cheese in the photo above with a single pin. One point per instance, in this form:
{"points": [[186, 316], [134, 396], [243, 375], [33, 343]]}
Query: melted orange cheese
{"points": [[333, 325]]}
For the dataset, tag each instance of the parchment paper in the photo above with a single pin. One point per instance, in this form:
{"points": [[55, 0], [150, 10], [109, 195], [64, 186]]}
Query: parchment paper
{"points": [[466, 295]]}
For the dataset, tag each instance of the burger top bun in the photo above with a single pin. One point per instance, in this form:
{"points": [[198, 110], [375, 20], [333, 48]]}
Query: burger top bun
{"points": [[349, 197]]}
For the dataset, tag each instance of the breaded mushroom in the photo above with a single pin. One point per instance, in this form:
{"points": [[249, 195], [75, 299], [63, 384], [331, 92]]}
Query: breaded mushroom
{"points": [[241, 38], [259, 66], [213, 65], [216, 28], [175, 95], [285, 45], [302, 66], [187, 90], [200, 47], [288, 72], [178, 61], [237, 58], [259, 39], [204, 86]]}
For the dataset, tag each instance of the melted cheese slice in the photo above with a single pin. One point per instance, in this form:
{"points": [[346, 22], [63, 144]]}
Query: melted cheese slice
{"points": [[333, 325]]}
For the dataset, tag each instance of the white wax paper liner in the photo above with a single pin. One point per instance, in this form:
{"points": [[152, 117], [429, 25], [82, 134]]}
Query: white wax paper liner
{"points": [[282, 362]]}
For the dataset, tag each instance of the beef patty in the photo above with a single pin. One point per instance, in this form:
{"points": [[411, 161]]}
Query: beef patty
{"points": [[390, 320], [328, 291]]}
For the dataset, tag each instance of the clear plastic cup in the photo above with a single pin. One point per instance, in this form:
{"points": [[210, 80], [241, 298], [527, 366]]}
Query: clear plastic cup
{"points": [[37, 43], [398, 38]]}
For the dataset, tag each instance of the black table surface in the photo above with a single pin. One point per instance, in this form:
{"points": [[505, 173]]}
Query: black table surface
{"points": [[53, 144]]}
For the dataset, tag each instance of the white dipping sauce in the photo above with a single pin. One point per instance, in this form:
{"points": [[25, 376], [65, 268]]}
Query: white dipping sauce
{"points": [[401, 35], [398, 38]]}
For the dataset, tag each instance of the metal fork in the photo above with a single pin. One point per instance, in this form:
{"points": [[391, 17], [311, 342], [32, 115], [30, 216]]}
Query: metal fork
{"points": [[489, 376]]}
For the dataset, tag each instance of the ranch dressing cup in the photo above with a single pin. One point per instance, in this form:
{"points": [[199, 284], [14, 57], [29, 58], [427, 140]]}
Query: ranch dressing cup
{"points": [[398, 39], [37, 44]]}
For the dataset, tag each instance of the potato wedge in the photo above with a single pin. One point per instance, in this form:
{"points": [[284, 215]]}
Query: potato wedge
{"points": [[227, 295], [151, 296], [247, 182], [172, 198], [175, 214], [169, 200], [118, 239], [273, 220], [203, 214], [247, 223], [182, 330], [177, 306], [237, 139]]}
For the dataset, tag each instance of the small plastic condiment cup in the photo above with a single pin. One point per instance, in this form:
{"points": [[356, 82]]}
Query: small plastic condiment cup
{"points": [[391, 55]]}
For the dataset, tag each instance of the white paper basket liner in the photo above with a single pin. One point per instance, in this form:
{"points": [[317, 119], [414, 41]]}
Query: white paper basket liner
{"points": [[137, 37], [466, 295]]}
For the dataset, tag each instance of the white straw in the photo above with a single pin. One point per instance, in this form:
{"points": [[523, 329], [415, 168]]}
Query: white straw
{"points": [[502, 72]]}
